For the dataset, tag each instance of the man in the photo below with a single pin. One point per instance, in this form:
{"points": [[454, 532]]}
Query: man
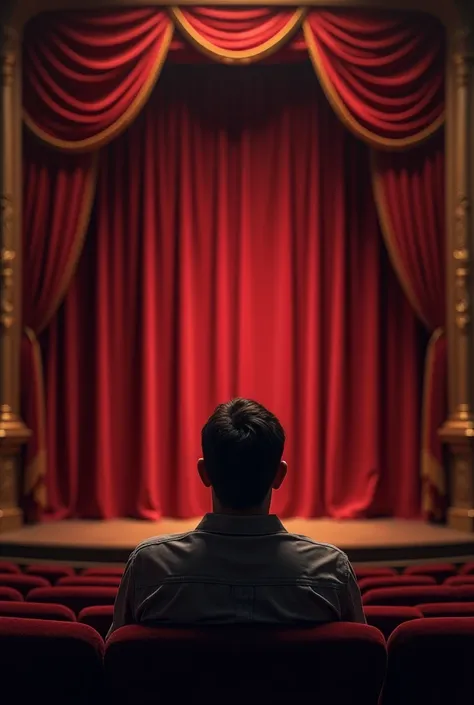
{"points": [[240, 564]]}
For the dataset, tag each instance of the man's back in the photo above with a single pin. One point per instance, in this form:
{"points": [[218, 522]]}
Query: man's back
{"points": [[237, 569]]}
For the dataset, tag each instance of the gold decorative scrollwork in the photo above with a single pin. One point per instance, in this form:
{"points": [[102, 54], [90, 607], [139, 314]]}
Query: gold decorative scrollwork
{"points": [[462, 260], [7, 308], [8, 52]]}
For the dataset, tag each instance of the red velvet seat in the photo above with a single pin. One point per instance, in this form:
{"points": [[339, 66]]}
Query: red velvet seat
{"points": [[76, 598], [369, 572], [22, 583], [246, 664], [7, 567], [90, 580], [10, 594], [417, 595], [51, 662], [460, 580], [99, 618], [438, 571], [430, 662], [36, 610], [105, 571], [447, 609], [367, 584], [467, 569], [52, 573], [387, 619]]}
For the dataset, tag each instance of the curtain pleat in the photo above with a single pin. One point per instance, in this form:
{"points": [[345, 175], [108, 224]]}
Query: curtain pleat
{"points": [[382, 72]]}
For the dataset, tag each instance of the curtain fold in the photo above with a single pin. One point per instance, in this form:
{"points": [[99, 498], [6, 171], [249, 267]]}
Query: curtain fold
{"points": [[58, 193], [237, 34], [254, 269], [410, 197], [88, 75], [382, 72]]}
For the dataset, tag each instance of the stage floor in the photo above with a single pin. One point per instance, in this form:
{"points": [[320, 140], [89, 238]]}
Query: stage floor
{"points": [[384, 541]]}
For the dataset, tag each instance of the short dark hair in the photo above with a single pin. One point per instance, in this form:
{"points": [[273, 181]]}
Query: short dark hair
{"points": [[242, 444]]}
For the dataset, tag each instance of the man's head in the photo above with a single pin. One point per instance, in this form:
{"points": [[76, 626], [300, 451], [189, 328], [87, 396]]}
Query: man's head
{"points": [[242, 444]]}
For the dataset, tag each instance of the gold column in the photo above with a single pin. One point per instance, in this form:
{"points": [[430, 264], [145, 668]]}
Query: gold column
{"points": [[458, 431], [13, 432]]}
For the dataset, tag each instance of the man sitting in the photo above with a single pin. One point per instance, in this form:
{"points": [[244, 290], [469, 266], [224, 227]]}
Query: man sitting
{"points": [[239, 565]]}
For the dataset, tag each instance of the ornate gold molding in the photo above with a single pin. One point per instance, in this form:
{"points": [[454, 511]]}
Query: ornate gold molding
{"points": [[462, 259], [7, 288], [9, 47]]}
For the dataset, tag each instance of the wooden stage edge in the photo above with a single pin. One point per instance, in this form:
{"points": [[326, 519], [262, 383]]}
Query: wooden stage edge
{"points": [[381, 541]]}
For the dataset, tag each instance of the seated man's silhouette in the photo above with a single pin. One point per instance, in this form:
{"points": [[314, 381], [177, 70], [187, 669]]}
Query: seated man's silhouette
{"points": [[239, 565]]}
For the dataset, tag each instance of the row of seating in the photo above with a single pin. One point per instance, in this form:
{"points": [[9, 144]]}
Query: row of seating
{"points": [[334, 664]]}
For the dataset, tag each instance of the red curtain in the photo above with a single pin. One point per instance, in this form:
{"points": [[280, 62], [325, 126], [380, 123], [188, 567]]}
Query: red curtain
{"points": [[410, 193], [57, 193], [383, 72], [256, 267]]}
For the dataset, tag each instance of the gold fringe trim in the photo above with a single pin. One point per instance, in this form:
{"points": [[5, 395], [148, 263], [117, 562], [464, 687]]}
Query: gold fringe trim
{"points": [[391, 242], [35, 471], [385, 143], [432, 471], [107, 135], [82, 226], [244, 56]]}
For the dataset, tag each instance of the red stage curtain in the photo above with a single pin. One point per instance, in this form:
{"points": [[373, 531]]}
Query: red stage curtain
{"points": [[57, 192], [410, 194], [382, 72], [88, 75], [234, 249], [238, 34]]}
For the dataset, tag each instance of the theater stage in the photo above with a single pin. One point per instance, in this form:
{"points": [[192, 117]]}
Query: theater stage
{"points": [[381, 541]]}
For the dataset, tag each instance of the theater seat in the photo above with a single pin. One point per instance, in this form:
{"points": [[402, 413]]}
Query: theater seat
{"points": [[387, 618], [467, 569], [333, 664], [447, 609], [91, 580], [7, 567], [430, 663], [99, 618], [460, 580], [36, 610], [51, 662], [22, 583], [395, 581], [52, 573], [10, 594], [104, 571], [438, 571], [416, 595], [76, 598], [373, 572]]}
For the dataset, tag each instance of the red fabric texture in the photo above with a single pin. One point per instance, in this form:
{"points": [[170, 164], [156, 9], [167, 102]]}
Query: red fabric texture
{"points": [[417, 595], [10, 594], [299, 662], [395, 581], [238, 28], [386, 68], [387, 619], [255, 269], [52, 573], [439, 571], [99, 618], [76, 598], [447, 609], [411, 189], [32, 610], [23, 583], [84, 71], [7, 567], [375, 572], [55, 191], [90, 580]]}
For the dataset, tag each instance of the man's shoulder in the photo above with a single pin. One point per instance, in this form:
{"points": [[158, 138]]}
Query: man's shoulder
{"points": [[321, 558], [318, 546], [155, 542]]}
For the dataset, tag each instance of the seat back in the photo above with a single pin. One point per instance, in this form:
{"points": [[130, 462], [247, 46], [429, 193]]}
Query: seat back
{"points": [[460, 580], [417, 595], [36, 610], [22, 583], [99, 618], [246, 664], [91, 580], [76, 598], [387, 619], [367, 584], [104, 571], [438, 571], [8, 567], [10, 594], [362, 572], [447, 609], [55, 662], [467, 569], [52, 573], [430, 661]]}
